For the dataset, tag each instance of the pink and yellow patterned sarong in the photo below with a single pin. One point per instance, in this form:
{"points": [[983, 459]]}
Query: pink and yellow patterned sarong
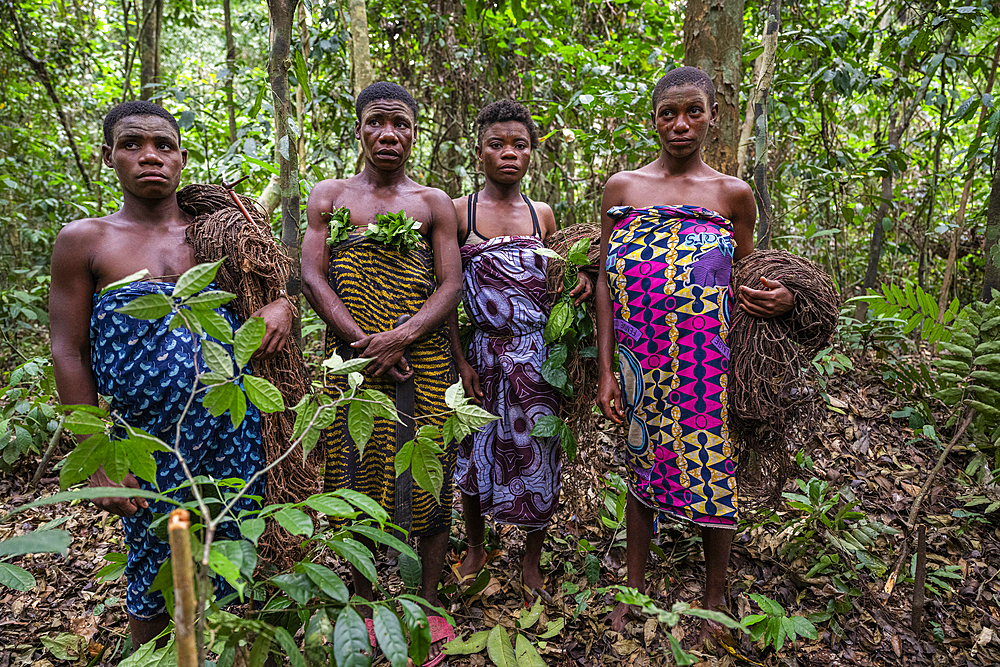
{"points": [[668, 271]]}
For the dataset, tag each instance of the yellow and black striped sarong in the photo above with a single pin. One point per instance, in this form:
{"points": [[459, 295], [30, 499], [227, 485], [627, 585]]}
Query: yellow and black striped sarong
{"points": [[378, 284]]}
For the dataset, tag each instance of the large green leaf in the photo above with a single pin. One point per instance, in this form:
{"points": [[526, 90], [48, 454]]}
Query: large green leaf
{"points": [[209, 300], [363, 503], [16, 577], [527, 655], [289, 646], [474, 416], [296, 585], [217, 358], [332, 506], [295, 521], [263, 394], [116, 461], [360, 423], [382, 537], [214, 324], [389, 633], [84, 423], [147, 307], [327, 580], [36, 542], [420, 633], [84, 460], [499, 649], [196, 279], [357, 555], [474, 644], [220, 398], [247, 339], [351, 647], [426, 467]]}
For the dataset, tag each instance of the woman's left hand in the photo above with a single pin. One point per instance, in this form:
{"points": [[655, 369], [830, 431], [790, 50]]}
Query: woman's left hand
{"points": [[584, 289], [773, 300]]}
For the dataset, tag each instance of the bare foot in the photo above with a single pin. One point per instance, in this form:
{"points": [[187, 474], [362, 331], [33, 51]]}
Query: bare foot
{"points": [[531, 575], [713, 637], [474, 561], [435, 647], [617, 617]]}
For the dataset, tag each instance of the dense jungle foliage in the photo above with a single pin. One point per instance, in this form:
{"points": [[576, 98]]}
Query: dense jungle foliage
{"points": [[877, 148]]}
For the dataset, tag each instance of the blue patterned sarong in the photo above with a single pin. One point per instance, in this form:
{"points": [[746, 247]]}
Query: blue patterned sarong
{"points": [[147, 371]]}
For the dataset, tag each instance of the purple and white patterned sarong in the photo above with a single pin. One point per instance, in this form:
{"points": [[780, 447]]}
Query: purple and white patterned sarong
{"points": [[515, 475]]}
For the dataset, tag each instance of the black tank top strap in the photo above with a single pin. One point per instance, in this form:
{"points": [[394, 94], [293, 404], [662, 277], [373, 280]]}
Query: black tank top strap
{"points": [[534, 218], [470, 218]]}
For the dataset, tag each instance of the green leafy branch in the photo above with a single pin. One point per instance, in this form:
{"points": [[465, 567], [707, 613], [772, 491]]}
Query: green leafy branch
{"points": [[340, 226], [395, 229]]}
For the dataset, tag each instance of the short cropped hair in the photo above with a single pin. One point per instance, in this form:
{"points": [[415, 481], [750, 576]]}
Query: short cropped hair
{"points": [[136, 108], [503, 111], [683, 76], [384, 90]]}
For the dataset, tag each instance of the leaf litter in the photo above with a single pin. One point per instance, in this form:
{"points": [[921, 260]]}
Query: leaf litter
{"points": [[855, 446]]}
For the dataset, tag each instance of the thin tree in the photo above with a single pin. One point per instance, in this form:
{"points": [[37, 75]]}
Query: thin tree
{"points": [[42, 72], [362, 73], [970, 173], [282, 15], [713, 41], [149, 47], [227, 19], [900, 114]]}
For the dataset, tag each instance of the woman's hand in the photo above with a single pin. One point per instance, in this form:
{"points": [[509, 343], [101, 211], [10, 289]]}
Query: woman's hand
{"points": [[386, 351], [122, 506], [774, 300], [470, 381], [277, 317], [609, 398], [584, 289]]}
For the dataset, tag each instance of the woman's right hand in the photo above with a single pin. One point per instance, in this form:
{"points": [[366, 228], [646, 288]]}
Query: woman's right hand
{"points": [[609, 398], [122, 506], [470, 382]]}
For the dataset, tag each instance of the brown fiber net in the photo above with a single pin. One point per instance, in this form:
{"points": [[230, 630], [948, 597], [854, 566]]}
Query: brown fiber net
{"points": [[577, 411], [256, 271], [767, 357]]}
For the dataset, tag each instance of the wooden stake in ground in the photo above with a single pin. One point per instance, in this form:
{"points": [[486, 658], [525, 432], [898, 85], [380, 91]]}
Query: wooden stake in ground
{"points": [[184, 601]]}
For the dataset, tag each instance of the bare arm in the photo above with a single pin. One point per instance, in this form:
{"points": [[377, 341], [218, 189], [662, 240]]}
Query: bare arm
{"points": [[609, 397], [316, 266], [774, 298], [70, 308]]}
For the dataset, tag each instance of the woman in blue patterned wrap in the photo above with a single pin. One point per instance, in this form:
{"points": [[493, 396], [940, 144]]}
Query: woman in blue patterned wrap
{"points": [[144, 368]]}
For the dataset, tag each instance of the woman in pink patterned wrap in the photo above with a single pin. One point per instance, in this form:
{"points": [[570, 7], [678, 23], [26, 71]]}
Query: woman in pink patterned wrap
{"points": [[670, 232]]}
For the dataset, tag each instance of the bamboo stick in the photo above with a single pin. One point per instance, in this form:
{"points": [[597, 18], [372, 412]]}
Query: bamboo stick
{"points": [[184, 599]]}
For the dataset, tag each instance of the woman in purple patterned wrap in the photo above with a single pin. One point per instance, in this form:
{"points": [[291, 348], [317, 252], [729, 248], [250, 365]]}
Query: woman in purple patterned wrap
{"points": [[502, 470]]}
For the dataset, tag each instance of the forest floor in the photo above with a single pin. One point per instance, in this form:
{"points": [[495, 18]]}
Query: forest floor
{"points": [[863, 450]]}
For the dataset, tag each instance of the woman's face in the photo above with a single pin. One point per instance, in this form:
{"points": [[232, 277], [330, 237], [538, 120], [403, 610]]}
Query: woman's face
{"points": [[505, 152], [682, 118]]}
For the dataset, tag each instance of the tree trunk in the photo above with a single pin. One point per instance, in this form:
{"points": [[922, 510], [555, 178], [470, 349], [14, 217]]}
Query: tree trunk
{"points": [[227, 18], [713, 42], [300, 93], [991, 252], [763, 74], [149, 47], [282, 13], [970, 173], [362, 74], [38, 66]]}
